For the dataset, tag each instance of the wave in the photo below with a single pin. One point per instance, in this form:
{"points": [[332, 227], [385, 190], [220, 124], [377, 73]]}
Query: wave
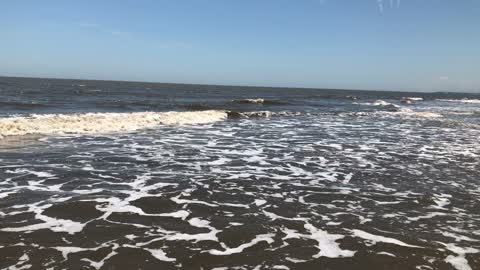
{"points": [[95, 123], [332, 97], [410, 100], [381, 103], [260, 114], [413, 98], [377, 103], [473, 101], [399, 111], [420, 114], [259, 101]]}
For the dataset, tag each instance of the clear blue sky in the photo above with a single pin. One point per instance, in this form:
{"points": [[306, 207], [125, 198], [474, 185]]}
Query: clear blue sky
{"points": [[420, 45]]}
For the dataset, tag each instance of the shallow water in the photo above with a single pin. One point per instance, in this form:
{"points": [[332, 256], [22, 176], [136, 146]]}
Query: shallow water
{"points": [[317, 180]]}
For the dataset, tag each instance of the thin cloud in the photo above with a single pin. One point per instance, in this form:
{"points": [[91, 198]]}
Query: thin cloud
{"points": [[99, 28], [380, 5]]}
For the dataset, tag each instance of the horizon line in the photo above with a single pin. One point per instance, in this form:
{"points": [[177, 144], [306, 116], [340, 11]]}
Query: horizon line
{"points": [[247, 86]]}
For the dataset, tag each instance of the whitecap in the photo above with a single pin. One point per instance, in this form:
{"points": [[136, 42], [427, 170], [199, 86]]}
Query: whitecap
{"points": [[472, 101], [97, 123]]}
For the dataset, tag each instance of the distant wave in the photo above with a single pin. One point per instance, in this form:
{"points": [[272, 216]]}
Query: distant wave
{"points": [[376, 103], [93, 123], [260, 114], [423, 114], [332, 97], [410, 100], [259, 101], [93, 91], [473, 101], [413, 98], [381, 103], [399, 111]]}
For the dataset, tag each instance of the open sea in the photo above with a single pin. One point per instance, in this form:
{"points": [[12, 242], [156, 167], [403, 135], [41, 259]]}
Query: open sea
{"points": [[129, 175]]}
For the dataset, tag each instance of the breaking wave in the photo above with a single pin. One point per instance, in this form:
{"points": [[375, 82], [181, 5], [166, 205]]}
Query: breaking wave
{"points": [[377, 103], [413, 98], [93, 123], [260, 114], [474, 101], [398, 111], [259, 101]]}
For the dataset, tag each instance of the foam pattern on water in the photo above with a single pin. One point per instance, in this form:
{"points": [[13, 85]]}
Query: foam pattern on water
{"points": [[375, 191]]}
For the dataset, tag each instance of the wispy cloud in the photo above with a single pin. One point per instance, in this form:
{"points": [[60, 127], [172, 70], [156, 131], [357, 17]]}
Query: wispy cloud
{"points": [[381, 6], [99, 28]]}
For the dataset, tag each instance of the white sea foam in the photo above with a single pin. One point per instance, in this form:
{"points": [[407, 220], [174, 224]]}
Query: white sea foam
{"points": [[327, 243], [409, 112], [398, 111], [199, 223], [459, 261], [160, 255], [260, 202], [228, 251], [473, 101], [427, 216], [376, 103], [53, 224], [377, 238], [27, 172], [67, 250], [381, 103], [93, 123], [386, 253], [250, 100], [413, 98], [21, 264]]}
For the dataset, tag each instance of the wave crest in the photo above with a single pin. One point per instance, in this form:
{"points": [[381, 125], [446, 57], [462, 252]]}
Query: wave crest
{"points": [[473, 101], [399, 111], [259, 101], [93, 123], [260, 114], [378, 103]]}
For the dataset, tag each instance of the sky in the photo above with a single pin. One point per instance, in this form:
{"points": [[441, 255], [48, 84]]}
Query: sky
{"points": [[419, 45]]}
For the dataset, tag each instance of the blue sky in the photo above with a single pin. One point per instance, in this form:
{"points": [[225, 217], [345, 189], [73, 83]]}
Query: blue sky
{"points": [[422, 45]]}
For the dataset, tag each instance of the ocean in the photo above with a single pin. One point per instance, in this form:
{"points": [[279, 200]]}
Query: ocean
{"points": [[131, 175]]}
